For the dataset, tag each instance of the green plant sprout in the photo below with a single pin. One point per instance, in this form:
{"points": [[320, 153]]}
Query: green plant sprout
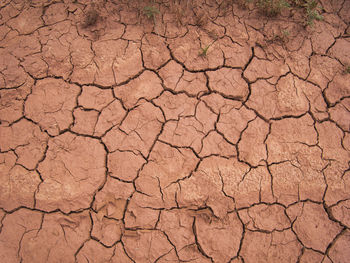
{"points": [[283, 36], [150, 11], [272, 7], [203, 51], [285, 32], [312, 13]]}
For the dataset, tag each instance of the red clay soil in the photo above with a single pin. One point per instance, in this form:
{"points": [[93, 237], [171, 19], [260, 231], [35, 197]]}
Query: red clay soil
{"points": [[205, 133]]}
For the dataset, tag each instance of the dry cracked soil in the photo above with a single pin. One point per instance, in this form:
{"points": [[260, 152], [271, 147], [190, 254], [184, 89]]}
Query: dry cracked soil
{"points": [[207, 132]]}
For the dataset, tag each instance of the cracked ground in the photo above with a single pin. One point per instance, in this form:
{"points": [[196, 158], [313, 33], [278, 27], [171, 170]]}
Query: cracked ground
{"points": [[121, 142]]}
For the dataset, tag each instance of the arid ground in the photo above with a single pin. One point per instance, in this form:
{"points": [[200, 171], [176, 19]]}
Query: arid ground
{"points": [[173, 131]]}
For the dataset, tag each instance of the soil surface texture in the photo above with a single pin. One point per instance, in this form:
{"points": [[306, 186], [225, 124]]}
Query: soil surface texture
{"points": [[173, 131]]}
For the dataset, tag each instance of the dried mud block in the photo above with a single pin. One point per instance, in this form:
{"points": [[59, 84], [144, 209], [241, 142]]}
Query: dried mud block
{"points": [[330, 140], [275, 101], [110, 116], [218, 104], [312, 225], [128, 63], [119, 255], [138, 131], [289, 135], [111, 200], [11, 102], [229, 82], [205, 187], [265, 218], [232, 121], [340, 113], [341, 212], [59, 238], [338, 182], [272, 247], [298, 60], [215, 144], [51, 104], [304, 181], [265, 69], [176, 106], [340, 250], [177, 79], [26, 140], [146, 245], [146, 86], [57, 56], [16, 227], [27, 21], [154, 50], [12, 75], [106, 53], [219, 238], [84, 121], [323, 70], [253, 137], [94, 251], [55, 13], [168, 164], [137, 216], [191, 254], [107, 231], [337, 88], [341, 50], [125, 165], [177, 225], [236, 55], [17, 184], [247, 186], [189, 131], [311, 256], [95, 98], [70, 185]]}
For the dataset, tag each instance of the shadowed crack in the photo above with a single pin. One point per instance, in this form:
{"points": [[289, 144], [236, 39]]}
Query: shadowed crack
{"points": [[197, 242]]}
